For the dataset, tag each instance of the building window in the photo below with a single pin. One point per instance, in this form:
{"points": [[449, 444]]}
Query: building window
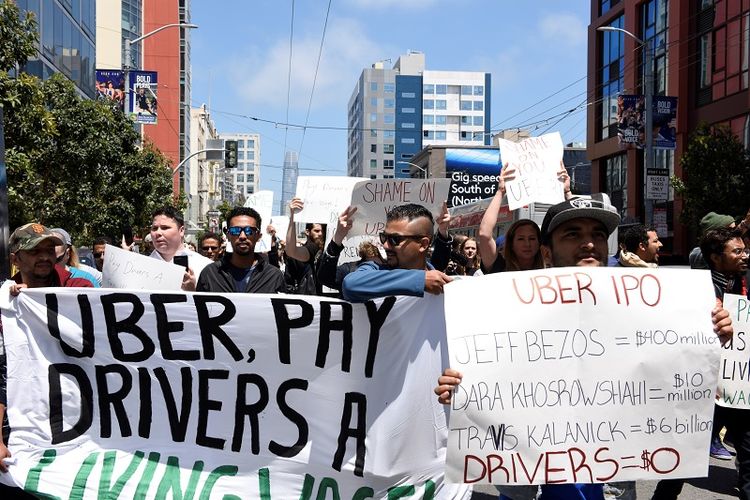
{"points": [[240, 144], [465, 136], [389, 88], [373, 148], [373, 132], [478, 105], [240, 155], [440, 135], [428, 134], [374, 86], [428, 104], [654, 30], [441, 104], [478, 90], [466, 120], [240, 178], [249, 189], [407, 140], [373, 117], [407, 110], [616, 182], [251, 143], [466, 106], [251, 155], [388, 149], [611, 76], [440, 120], [441, 89], [605, 5], [428, 119], [479, 120], [428, 88], [389, 118], [407, 95], [374, 102], [407, 125], [389, 103], [389, 134], [388, 163], [465, 89], [373, 163]]}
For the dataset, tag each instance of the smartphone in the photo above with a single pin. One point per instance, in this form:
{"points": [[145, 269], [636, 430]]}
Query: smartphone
{"points": [[181, 260]]}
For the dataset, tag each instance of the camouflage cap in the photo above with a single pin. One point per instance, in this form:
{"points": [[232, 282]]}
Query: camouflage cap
{"points": [[29, 236]]}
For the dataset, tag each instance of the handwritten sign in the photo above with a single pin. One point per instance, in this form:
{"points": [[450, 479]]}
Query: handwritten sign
{"points": [[325, 198], [734, 372], [374, 198], [262, 202], [173, 395], [581, 375], [280, 223], [536, 161], [124, 269]]}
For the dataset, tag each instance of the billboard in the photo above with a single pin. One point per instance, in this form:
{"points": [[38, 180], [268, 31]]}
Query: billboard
{"points": [[142, 104], [631, 118], [473, 173], [110, 84]]}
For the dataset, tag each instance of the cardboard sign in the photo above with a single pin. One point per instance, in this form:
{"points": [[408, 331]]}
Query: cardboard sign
{"points": [[734, 372], [262, 201], [177, 395], [374, 198], [124, 269], [325, 198], [536, 161], [581, 375]]}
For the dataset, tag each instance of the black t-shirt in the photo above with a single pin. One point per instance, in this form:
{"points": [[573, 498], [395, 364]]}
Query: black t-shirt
{"points": [[296, 269], [497, 267]]}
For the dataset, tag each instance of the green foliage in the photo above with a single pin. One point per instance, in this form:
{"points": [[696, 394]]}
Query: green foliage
{"points": [[19, 36], [716, 175]]}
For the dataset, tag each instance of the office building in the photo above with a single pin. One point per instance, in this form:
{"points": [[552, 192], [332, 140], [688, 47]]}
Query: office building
{"points": [[289, 180], [116, 21], [67, 41], [168, 53], [202, 173], [700, 55], [245, 178], [395, 112]]}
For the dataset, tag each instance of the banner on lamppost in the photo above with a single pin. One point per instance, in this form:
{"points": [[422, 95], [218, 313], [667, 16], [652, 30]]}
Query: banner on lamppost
{"points": [[142, 97], [631, 118], [110, 84]]}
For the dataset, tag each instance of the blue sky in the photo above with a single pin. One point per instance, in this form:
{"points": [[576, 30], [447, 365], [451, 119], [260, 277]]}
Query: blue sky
{"points": [[240, 62]]}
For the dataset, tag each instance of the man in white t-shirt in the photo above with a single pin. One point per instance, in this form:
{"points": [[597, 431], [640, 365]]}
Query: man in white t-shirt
{"points": [[167, 233]]}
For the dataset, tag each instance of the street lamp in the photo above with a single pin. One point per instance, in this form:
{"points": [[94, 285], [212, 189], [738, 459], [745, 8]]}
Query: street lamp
{"points": [[128, 56], [648, 93], [425, 173]]}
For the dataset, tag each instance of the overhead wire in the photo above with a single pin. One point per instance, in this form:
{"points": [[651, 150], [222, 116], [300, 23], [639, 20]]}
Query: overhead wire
{"points": [[289, 74]]}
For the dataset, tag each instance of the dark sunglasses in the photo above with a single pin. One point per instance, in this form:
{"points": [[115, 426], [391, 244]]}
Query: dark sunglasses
{"points": [[395, 240], [98, 254], [206, 249], [236, 230]]}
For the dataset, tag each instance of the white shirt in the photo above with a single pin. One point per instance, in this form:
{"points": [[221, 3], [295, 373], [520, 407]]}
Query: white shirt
{"points": [[196, 262]]}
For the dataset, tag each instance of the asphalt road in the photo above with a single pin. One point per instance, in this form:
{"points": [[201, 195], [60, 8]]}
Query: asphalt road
{"points": [[719, 485]]}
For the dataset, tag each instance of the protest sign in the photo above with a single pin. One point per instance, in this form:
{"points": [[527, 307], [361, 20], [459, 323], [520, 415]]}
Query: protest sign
{"points": [[262, 202], [536, 161], [734, 375], [374, 198], [325, 198], [125, 269], [226, 396], [581, 375], [280, 223]]}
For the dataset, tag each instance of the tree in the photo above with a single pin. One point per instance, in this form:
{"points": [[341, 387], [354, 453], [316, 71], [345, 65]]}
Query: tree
{"points": [[73, 162], [716, 175]]}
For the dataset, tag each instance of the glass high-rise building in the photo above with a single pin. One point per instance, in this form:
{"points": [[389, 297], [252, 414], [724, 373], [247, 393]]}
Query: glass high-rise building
{"points": [[289, 180]]}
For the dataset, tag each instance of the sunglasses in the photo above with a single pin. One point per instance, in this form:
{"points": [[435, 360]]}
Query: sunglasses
{"points": [[98, 254], [206, 249], [248, 230], [395, 240]]}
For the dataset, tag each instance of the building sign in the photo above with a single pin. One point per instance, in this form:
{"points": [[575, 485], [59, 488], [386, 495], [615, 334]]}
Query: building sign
{"points": [[657, 184], [631, 118], [473, 173], [665, 122], [110, 84], [142, 100]]}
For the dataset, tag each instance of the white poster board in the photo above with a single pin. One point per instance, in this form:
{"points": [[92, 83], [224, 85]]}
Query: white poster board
{"points": [[374, 198], [226, 396], [614, 368], [734, 371], [325, 198], [125, 269], [262, 202], [280, 223], [536, 161]]}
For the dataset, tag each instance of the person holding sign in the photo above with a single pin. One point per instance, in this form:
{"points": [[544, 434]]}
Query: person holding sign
{"points": [[243, 270], [493, 260], [303, 260], [575, 233], [407, 237], [167, 232]]}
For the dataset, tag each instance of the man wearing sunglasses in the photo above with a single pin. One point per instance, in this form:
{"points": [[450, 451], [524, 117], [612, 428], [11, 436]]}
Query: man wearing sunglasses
{"points": [[209, 246], [407, 238], [243, 270], [167, 233]]}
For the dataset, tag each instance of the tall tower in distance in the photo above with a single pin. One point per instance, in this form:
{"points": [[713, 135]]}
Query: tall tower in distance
{"points": [[289, 181]]}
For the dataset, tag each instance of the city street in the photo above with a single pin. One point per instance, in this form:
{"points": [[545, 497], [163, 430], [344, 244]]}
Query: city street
{"points": [[719, 485]]}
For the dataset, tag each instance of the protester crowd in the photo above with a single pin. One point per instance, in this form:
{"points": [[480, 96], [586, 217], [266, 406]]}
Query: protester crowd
{"points": [[414, 254]]}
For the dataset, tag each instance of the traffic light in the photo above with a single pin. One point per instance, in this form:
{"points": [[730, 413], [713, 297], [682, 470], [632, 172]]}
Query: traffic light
{"points": [[230, 154]]}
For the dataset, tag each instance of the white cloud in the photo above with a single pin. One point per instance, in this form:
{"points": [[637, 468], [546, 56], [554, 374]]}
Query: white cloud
{"points": [[261, 78], [563, 28]]}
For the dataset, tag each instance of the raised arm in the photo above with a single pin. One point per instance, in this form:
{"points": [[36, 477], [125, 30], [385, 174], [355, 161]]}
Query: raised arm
{"points": [[487, 246], [292, 250]]}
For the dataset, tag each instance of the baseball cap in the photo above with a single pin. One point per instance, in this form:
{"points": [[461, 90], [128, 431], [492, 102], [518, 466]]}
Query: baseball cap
{"points": [[596, 207], [29, 236], [712, 220], [65, 236]]}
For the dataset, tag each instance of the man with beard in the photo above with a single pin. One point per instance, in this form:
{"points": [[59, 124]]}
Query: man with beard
{"points": [[303, 260], [243, 270], [641, 247]]}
